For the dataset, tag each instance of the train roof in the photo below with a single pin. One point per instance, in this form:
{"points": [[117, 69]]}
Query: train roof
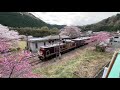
{"points": [[68, 40], [52, 45], [37, 39], [82, 38]]}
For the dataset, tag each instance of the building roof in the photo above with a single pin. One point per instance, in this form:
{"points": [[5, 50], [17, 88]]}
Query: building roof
{"points": [[48, 38], [36, 39], [67, 40], [57, 37]]}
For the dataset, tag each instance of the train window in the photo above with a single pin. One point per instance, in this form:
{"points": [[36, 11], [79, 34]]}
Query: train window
{"points": [[63, 41], [44, 43], [111, 39], [47, 52], [115, 41], [49, 41], [116, 37], [36, 45], [52, 41]]}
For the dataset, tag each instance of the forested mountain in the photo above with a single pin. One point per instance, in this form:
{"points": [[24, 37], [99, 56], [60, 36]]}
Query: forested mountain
{"points": [[23, 19], [109, 24]]}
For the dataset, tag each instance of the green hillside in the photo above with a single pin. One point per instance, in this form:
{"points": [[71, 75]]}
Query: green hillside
{"points": [[23, 19], [109, 24]]}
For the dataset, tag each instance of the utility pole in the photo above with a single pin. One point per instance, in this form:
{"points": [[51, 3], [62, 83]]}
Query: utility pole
{"points": [[27, 41], [59, 48]]}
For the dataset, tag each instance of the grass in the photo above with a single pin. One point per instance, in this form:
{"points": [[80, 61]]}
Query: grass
{"points": [[22, 44], [84, 63]]}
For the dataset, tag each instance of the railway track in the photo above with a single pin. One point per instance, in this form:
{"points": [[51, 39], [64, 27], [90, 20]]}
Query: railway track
{"points": [[33, 63], [35, 60]]}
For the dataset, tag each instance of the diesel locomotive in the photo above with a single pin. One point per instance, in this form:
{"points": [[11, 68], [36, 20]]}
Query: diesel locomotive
{"points": [[62, 47]]}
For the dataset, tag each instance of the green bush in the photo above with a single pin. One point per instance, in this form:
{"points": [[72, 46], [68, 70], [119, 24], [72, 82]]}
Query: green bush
{"points": [[18, 48], [13, 49], [100, 48], [37, 32]]}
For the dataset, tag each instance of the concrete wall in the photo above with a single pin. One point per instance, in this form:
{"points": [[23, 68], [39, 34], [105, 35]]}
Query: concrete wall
{"points": [[33, 46]]}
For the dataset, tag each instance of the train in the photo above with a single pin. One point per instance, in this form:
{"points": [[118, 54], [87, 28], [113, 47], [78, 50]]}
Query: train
{"points": [[62, 47]]}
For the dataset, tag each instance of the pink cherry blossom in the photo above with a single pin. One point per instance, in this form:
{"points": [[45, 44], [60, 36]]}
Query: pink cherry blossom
{"points": [[13, 64], [100, 37], [16, 66]]}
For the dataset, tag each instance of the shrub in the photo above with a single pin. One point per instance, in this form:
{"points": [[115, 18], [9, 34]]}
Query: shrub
{"points": [[100, 48]]}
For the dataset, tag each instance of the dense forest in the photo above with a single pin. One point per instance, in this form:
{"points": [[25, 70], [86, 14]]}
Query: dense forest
{"points": [[109, 24], [23, 19], [36, 32]]}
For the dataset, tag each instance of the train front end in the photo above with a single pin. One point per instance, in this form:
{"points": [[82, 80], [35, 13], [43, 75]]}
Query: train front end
{"points": [[41, 53]]}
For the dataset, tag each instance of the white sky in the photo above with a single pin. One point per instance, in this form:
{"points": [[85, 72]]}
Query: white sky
{"points": [[73, 18]]}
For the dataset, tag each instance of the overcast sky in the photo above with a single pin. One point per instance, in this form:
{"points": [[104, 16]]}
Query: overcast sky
{"points": [[73, 18]]}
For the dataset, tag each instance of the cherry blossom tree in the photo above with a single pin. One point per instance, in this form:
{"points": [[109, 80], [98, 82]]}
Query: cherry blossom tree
{"points": [[71, 31], [101, 37], [8, 38], [16, 66], [9, 34], [4, 46], [13, 64], [102, 40]]}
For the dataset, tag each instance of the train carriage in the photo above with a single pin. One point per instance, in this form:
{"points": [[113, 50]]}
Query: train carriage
{"points": [[47, 51], [62, 47], [81, 41], [69, 44]]}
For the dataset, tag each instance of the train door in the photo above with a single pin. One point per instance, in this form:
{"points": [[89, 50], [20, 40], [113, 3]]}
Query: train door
{"points": [[56, 49], [47, 53], [50, 51], [82, 42], [73, 44], [64, 47]]}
